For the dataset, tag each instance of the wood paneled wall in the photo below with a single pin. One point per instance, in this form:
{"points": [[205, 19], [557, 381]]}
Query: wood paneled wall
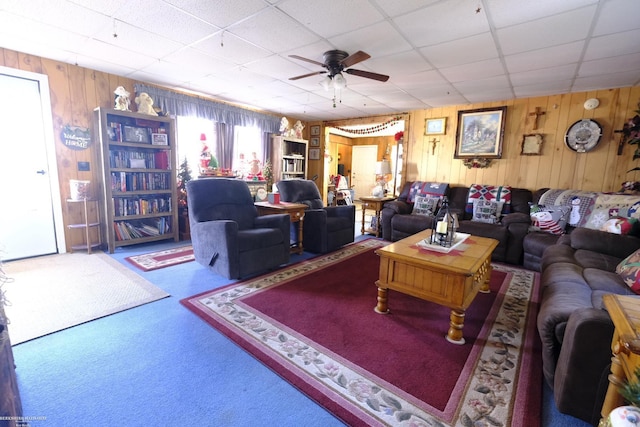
{"points": [[601, 169]]}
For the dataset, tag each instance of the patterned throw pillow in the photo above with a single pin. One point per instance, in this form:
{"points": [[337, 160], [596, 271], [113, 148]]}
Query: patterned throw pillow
{"points": [[489, 192], [487, 211], [620, 225], [425, 205], [420, 188], [628, 270], [550, 219]]}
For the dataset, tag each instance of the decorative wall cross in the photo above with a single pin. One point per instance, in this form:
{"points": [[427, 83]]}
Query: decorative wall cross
{"points": [[536, 114], [433, 145]]}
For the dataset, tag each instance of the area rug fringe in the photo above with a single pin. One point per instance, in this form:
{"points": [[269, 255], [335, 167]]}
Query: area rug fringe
{"points": [[491, 389]]}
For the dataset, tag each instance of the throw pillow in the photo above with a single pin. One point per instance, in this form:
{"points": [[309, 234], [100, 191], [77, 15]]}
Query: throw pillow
{"points": [[550, 219], [489, 192], [425, 205], [420, 188], [620, 225], [487, 211], [628, 270]]}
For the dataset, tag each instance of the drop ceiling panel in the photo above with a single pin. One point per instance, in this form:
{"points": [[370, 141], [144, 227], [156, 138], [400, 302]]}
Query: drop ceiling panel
{"points": [[330, 18], [369, 40], [462, 51], [504, 14], [222, 13], [231, 48], [545, 58], [475, 71], [552, 31]]}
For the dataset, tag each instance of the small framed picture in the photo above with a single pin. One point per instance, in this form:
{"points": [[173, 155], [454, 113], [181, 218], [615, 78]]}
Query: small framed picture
{"points": [[315, 141], [315, 130], [314, 153], [435, 126], [136, 134], [531, 145], [159, 139]]}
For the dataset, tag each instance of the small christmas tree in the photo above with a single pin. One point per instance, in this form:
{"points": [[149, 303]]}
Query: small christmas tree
{"points": [[184, 176]]}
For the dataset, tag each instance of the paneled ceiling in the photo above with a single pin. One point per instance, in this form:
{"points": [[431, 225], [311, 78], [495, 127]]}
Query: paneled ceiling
{"points": [[436, 52]]}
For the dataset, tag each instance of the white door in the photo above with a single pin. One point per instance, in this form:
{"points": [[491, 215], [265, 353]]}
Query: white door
{"points": [[363, 169], [27, 226]]}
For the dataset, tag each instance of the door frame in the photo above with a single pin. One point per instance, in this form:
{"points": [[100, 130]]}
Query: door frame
{"points": [[49, 141]]}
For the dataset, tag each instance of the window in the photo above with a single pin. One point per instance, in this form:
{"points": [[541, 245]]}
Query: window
{"points": [[189, 130], [248, 153]]}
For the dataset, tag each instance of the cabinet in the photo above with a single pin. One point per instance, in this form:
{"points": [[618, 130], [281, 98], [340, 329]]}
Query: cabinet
{"points": [[290, 158], [138, 192], [90, 210]]}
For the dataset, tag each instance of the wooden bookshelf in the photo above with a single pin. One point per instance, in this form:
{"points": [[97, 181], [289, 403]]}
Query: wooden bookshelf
{"points": [[139, 191], [290, 158]]}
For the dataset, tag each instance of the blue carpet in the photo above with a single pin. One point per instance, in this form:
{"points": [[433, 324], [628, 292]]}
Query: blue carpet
{"points": [[160, 365]]}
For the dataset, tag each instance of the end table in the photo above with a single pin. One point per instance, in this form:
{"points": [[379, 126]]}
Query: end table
{"points": [[295, 211], [376, 204]]}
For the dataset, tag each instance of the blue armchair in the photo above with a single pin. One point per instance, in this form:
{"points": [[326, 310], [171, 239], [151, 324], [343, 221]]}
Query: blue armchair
{"points": [[227, 235], [325, 229]]}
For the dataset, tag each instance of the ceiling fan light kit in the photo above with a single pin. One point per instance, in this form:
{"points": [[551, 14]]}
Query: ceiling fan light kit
{"points": [[336, 62]]}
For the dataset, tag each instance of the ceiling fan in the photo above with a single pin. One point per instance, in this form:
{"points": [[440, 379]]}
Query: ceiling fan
{"points": [[338, 61]]}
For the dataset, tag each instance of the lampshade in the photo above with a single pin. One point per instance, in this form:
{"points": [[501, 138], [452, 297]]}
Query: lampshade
{"points": [[326, 83], [339, 82], [383, 167]]}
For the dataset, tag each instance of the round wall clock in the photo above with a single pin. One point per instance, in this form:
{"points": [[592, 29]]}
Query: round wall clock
{"points": [[583, 135]]}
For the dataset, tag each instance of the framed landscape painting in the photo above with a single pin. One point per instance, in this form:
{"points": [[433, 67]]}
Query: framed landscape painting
{"points": [[480, 133]]}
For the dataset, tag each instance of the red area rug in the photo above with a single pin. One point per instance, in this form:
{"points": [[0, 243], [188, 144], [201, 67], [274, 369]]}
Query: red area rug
{"points": [[313, 323], [162, 259]]}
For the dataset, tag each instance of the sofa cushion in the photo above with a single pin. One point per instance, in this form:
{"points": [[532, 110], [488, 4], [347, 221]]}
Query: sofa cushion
{"points": [[425, 205], [628, 270], [549, 219], [488, 211], [489, 192], [419, 188]]}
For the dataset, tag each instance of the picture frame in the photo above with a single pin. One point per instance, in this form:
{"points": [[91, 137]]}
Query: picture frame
{"points": [[480, 133], [136, 134], [531, 144], [435, 126], [315, 130], [314, 142], [314, 153], [159, 139]]}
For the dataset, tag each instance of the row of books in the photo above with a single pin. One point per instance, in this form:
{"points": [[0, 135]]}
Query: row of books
{"points": [[128, 230], [138, 159], [293, 165], [140, 181], [140, 206]]}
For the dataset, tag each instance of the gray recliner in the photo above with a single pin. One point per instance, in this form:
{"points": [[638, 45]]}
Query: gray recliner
{"points": [[227, 235], [325, 229]]}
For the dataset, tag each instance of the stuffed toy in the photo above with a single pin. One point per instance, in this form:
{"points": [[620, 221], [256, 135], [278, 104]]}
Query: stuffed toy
{"points": [[145, 104], [121, 99]]}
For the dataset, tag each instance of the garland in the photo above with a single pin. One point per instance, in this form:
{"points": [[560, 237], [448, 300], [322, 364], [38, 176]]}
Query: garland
{"points": [[477, 162], [372, 129]]}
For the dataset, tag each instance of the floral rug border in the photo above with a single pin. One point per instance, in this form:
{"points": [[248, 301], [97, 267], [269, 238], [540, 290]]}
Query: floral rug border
{"points": [[488, 395]]}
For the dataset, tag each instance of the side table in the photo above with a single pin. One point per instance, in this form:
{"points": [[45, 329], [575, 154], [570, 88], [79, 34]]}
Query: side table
{"points": [[296, 213], [86, 225], [625, 313], [375, 204]]}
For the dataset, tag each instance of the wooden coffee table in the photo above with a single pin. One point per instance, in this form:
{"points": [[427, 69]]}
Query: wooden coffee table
{"points": [[452, 280]]}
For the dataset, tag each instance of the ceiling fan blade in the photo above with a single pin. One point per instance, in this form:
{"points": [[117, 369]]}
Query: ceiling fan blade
{"points": [[354, 58], [368, 74], [307, 75], [306, 60]]}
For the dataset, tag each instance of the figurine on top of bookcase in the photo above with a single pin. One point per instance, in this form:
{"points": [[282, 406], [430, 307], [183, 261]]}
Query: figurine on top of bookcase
{"points": [[145, 104], [121, 99]]}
